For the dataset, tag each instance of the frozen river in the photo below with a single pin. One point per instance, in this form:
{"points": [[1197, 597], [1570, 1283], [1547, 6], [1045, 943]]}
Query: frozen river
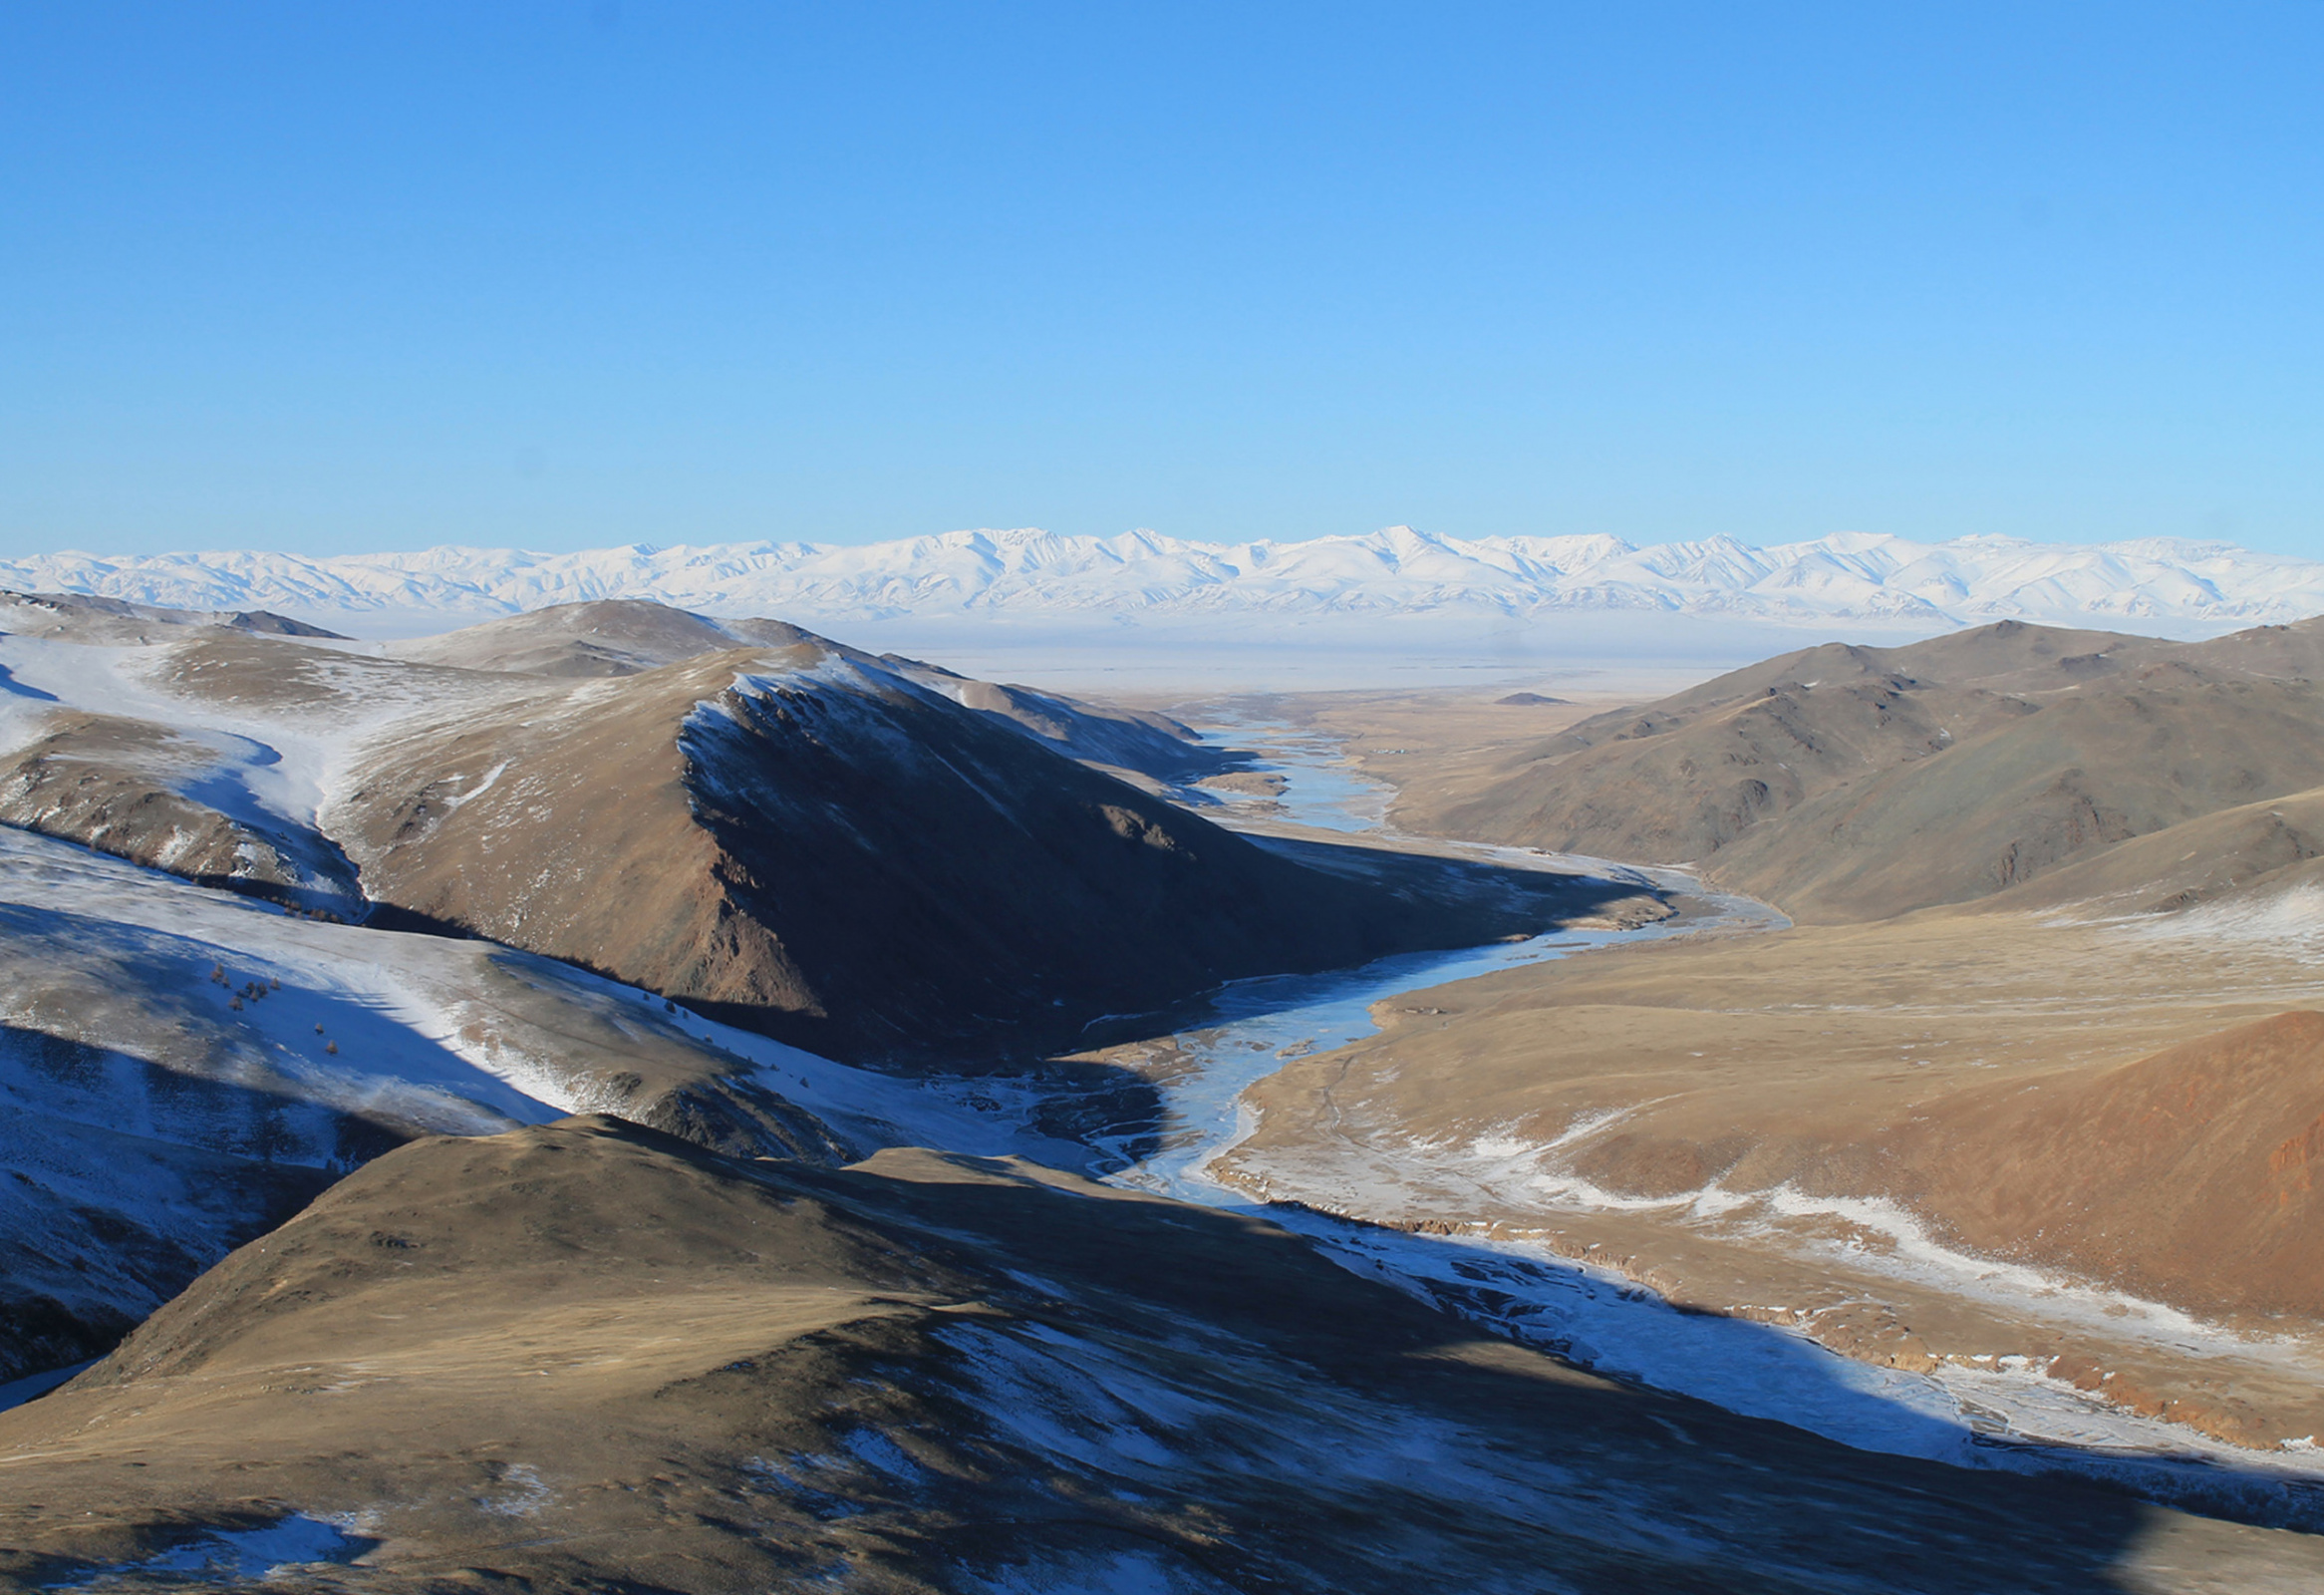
{"points": [[1593, 1316]]}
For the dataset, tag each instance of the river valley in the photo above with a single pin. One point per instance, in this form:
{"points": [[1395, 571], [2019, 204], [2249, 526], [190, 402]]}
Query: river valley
{"points": [[2001, 1417]]}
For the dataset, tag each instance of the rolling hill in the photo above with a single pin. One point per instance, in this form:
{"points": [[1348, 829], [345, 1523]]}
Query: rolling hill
{"points": [[180, 1068], [585, 1355], [470, 890], [1846, 784], [814, 844], [861, 855]]}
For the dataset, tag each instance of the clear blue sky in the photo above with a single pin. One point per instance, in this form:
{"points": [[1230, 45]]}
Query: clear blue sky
{"points": [[379, 274]]}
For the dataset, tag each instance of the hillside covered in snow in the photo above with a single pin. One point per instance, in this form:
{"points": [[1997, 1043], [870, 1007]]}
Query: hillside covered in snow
{"points": [[1038, 578]]}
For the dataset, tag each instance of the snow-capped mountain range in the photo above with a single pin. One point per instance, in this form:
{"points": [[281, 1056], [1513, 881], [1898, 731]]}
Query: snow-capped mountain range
{"points": [[1872, 579]]}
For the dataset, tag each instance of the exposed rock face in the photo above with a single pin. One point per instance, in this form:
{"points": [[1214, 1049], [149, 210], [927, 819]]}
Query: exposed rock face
{"points": [[1848, 783]]}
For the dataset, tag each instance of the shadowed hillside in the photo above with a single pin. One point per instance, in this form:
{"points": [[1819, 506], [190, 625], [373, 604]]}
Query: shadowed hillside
{"points": [[180, 1068], [866, 855], [817, 846]]}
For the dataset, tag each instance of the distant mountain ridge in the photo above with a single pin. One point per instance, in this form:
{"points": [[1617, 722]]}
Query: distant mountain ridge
{"points": [[2165, 583]]}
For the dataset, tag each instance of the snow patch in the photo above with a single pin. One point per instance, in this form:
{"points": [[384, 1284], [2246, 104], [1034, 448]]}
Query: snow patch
{"points": [[279, 1551]]}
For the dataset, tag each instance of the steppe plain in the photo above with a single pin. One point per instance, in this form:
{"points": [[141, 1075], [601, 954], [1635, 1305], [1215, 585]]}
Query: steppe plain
{"points": [[706, 1194]]}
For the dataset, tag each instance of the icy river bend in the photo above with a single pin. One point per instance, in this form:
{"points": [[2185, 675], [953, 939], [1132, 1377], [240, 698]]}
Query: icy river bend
{"points": [[1594, 1315]]}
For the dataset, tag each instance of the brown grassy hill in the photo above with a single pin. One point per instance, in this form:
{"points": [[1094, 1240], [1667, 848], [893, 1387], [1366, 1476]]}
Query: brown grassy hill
{"points": [[862, 855], [1849, 783], [82, 618], [2135, 753], [174, 791], [604, 637], [130, 788], [586, 1357], [620, 637], [2254, 848], [2295, 651], [2191, 1176], [826, 850], [1680, 779], [179, 1069], [175, 795]]}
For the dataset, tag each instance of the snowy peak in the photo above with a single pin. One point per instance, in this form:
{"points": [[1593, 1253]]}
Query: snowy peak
{"points": [[1035, 576]]}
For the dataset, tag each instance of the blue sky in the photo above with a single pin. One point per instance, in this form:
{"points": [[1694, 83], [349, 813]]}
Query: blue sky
{"points": [[373, 275]]}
